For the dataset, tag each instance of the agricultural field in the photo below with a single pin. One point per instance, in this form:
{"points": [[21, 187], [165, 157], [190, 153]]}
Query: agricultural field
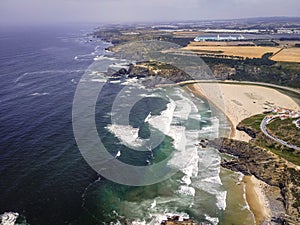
{"points": [[221, 43], [239, 51], [288, 55]]}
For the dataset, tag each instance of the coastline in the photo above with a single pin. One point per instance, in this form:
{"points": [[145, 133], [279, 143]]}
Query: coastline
{"points": [[257, 199], [238, 102]]}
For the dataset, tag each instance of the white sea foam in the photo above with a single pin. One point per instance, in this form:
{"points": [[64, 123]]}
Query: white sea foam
{"points": [[212, 131], [215, 179], [114, 81], [74, 81], [133, 82], [203, 167], [186, 190], [195, 116], [9, 218], [221, 200], [213, 220], [127, 134], [39, 94], [148, 95], [101, 57], [209, 176], [245, 199], [139, 222], [157, 218], [47, 72], [118, 66], [153, 204], [183, 109], [99, 80], [163, 121], [118, 154]]}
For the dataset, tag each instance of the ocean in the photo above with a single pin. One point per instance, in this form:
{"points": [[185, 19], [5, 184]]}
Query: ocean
{"points": [[45, 177]]}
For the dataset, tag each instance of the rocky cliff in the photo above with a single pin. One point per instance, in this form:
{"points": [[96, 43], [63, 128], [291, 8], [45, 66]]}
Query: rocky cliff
{"points": [[268, 167]]}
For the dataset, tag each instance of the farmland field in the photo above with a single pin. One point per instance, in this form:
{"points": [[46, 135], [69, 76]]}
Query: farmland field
{"points": [[241, 51], [288, 55]]}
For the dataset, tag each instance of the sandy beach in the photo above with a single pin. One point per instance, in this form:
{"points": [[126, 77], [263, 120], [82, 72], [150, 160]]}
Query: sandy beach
{"points": [[239, 102], [242, 101], [257, 199]]}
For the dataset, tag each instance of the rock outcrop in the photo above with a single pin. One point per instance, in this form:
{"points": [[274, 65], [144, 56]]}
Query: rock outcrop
{"points": [[268, 167]]}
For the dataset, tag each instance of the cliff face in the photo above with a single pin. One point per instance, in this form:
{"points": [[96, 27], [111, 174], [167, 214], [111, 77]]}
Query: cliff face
{"points": [[155, 73], [250, 132], [253, 160], [268, 167], [161, 70]]}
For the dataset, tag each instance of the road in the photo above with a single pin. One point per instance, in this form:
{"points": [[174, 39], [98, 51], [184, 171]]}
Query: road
{"points": [[263, 127]]}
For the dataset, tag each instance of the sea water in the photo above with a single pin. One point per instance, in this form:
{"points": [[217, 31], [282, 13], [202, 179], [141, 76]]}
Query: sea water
{"points": [[44, 177]]}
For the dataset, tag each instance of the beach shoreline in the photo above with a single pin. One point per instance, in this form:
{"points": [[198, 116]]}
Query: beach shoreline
{"points": [[257, 199], [239, 102]]}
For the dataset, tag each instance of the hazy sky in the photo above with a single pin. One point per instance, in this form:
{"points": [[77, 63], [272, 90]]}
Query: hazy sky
{"points": [[40, 11]]}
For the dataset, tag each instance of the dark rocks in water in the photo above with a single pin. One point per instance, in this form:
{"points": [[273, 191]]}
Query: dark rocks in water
{"points": [[110, 72], [130, 68], [114, 79], [140, 76], [203, 143], [121, 72], [175, 220], [131, 76]]}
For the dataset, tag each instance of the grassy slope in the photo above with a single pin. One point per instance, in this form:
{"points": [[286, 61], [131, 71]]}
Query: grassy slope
{"points": [[261, 140]]}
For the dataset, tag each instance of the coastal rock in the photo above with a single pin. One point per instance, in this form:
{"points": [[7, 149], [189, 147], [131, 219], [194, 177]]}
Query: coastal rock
{"points": [[176, 220], [121, 72], [167, 73], [247, 130], [268, 167]]}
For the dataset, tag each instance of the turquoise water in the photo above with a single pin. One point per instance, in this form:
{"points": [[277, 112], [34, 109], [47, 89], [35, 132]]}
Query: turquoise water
{"points": [[200, 189], [43, 174]]}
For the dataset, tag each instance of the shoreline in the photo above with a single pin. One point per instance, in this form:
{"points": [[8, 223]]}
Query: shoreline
{"points": [[256, 198], [240, 101], [237, 107]]}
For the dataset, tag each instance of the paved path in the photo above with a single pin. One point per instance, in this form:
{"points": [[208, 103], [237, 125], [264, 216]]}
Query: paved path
{"points": [[263, 127]]}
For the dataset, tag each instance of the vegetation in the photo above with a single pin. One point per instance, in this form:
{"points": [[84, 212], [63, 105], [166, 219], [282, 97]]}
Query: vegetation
{"points": [[265, 43], [260, 70], [285, 130], [252, 124], [242, 63], [295, 179]]}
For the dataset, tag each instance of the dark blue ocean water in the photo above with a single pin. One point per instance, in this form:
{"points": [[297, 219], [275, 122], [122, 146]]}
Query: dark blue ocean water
{"points": [[42, 174]]}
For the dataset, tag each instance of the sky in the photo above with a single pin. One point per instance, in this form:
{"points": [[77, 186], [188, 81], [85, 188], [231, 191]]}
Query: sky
{"points": [[123, 11]]}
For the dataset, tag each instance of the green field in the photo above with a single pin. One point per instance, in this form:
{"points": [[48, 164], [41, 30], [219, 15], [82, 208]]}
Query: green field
{"points": [[288, 133], [285, 130]]}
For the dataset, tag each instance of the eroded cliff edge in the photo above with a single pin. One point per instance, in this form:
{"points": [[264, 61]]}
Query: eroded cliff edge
{"points": [[252, 159]]}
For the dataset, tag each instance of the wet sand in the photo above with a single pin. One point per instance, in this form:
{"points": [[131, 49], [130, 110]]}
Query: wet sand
{"points": [[238, 102]]}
